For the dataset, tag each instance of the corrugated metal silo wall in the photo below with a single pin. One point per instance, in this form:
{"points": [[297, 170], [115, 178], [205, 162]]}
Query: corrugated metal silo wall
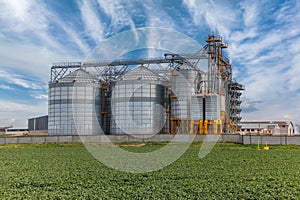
{"points": [[138, 107], [74, 108], [184, 86]]}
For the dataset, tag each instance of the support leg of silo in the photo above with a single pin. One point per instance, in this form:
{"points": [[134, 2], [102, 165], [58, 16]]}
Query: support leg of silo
{"points": [[201, 127], [215, 126], [191, 127], [173, 126], [220, 124], [205, 126]]}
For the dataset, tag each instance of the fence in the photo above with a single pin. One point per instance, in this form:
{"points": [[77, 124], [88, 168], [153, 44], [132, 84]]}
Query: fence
{"points": [[241, 139], [112, 138], [272, 140]]}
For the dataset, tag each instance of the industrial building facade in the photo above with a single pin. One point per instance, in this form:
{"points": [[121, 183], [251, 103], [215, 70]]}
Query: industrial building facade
{"points": [[133, 97], [266, 128], [38, 123]]}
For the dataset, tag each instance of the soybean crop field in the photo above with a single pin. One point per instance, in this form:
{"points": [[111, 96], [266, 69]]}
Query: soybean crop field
{"points": [[229, 171]]}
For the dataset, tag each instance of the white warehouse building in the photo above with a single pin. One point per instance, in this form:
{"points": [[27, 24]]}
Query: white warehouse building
{"points": [[266, 128]]}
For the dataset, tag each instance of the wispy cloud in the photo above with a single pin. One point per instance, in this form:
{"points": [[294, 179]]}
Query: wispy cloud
{"points": [[90, 17], [119, 12], [263, 49], [263, 41], [40, 96], [5, 87], [157, 16], [293, 81], [162, 26], [249, 23], [20, 80], [219, 16], [28, 44], [32, 21], [25, 20], [24, 15]]}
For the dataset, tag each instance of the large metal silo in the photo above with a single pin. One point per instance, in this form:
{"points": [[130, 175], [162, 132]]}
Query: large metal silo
{"points": [[184, 84], [74, 105], [138, 103]]}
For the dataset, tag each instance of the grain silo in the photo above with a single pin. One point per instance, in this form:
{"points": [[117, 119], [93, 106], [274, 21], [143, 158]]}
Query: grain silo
{"points": [[184, 85], [179, 93], [138, 103], [74, 104]]}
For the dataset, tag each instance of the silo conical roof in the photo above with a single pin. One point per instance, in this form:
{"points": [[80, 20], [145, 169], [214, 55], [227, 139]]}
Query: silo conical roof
{"points": [[79, 75], [141, 73], [186, 67]]}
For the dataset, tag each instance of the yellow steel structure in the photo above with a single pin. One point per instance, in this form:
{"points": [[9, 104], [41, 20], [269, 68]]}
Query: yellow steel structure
{"points": [[187, 126], [217, 63]]}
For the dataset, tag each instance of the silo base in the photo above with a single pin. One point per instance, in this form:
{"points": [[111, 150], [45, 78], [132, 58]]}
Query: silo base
{"points": [[186, 126]]}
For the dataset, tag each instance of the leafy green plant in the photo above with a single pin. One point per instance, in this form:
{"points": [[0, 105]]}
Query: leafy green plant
{"points": [[230, 171]]}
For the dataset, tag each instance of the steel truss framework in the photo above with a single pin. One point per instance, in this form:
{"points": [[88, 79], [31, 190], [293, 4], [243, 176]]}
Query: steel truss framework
{"points": [[112, 70], [219, 72]]}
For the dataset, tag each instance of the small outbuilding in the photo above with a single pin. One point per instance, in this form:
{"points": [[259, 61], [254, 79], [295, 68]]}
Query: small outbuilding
{"points": [[266, 128]]}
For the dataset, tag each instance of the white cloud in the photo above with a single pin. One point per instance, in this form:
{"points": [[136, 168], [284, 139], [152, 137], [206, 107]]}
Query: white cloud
{"points": [[5, 87], [287, 12], [161, 26], [249, 25], [19, 80], [73, 38], [119, 12], [219, 16], [91, 20], [26, 19], [8, 110], [32, 21], [30, 59], [263, 42], [265, 53], [293, 81], [157, 16], [7, 122], [40, 96], [250, 13], [295, 47], [24, 15]]}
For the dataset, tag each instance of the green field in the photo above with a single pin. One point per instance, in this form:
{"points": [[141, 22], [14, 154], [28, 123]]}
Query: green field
{"points": [[230, 171]]}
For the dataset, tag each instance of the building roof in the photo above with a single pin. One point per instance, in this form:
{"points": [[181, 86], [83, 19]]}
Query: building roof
{"points": [[256, 126], [3, 128], [141, 73], [186, 67], [263, 124], [78, 75], [266, 122]]}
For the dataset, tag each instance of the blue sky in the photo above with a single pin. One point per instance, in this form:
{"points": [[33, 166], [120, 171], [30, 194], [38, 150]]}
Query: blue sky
{"points": [[263, 38]]}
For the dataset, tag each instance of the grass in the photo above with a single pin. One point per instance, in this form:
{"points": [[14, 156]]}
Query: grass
{"points": [[6, 135], [22, 135], [229, 171]]}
